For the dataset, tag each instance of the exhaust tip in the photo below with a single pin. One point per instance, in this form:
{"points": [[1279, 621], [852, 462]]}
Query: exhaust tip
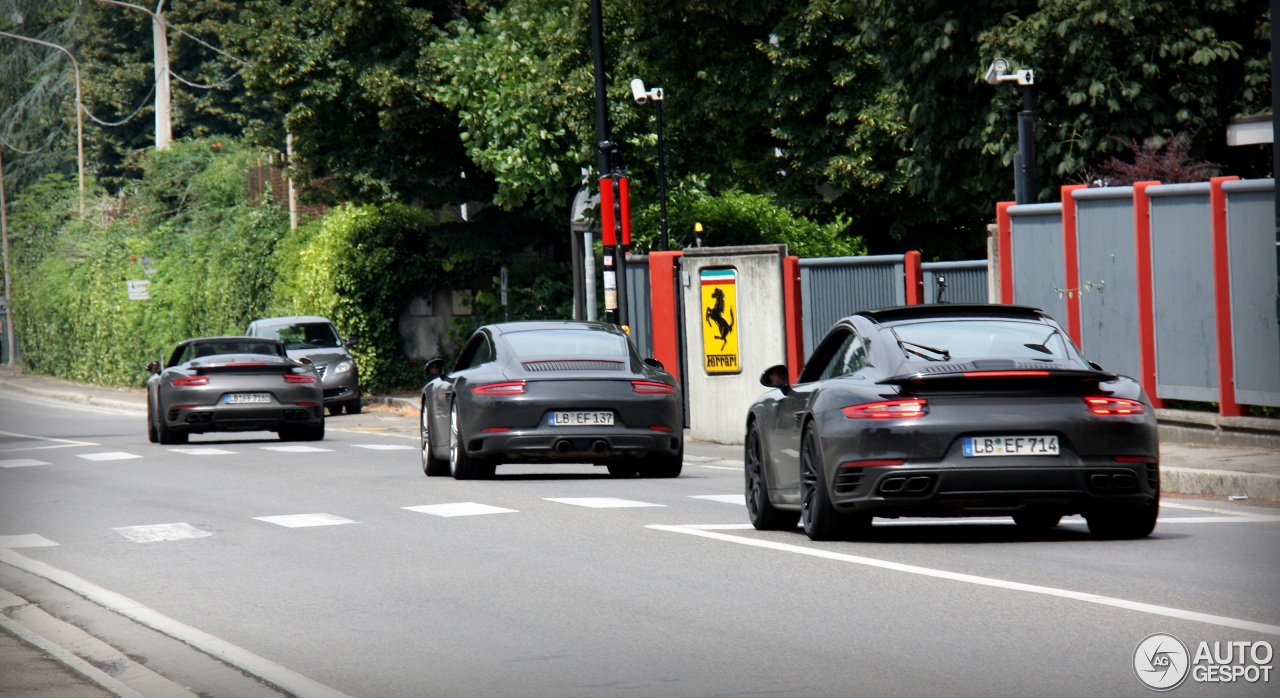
{"points": [[563, 446], [600, 446]]}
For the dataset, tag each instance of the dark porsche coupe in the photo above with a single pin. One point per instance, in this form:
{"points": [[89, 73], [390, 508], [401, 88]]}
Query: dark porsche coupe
{"points": [[551, 392], [951, 410], [233, 384]]}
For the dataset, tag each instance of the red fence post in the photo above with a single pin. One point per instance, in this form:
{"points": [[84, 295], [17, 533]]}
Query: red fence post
{"points": [[793, 312], [662, 299], [1071, 258], [914, 281], [1004, 245], [1227, 406], [1146, 304]]}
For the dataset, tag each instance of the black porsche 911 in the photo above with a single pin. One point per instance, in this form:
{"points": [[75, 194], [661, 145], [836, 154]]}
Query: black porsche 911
{"points": [[951, 410], [551, 392], [233, 384]]}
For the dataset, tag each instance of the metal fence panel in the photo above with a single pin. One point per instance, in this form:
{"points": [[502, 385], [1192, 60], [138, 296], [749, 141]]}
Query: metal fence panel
{"points": [[1106, 241], [1252, 251], [639, 304], [1039, 267], [1182, 291], [966, 281], [835, 287]]}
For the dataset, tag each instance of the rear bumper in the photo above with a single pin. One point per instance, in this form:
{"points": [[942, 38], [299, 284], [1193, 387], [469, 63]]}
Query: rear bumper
{"points": [[201, 419], [574, 446]]}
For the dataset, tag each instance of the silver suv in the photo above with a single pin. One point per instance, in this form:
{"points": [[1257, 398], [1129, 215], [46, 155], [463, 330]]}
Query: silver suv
{"points": [[316, 339]]}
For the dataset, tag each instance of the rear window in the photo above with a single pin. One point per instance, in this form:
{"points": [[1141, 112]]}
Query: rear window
{"points": [[979, 339], [202, 350], [562, 343]]}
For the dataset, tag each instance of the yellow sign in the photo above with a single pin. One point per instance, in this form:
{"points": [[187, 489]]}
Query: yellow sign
{"points": [[720, 321]]}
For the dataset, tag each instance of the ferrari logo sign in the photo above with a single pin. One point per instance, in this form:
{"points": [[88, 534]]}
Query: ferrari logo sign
{"points": [[720, 320]]}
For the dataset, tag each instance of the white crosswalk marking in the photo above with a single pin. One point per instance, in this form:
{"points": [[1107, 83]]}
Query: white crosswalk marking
{"points": [[305, 520], [156, 533], [460, 509], [25, 540], [386, 447], [203, 451], [726, 498], [297, 449], [110, 455], [601, 502], [20, 463]]}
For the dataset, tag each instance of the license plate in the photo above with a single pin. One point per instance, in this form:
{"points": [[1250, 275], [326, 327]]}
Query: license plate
{"points": [[977, 446], [580, 419], [248, 398]]}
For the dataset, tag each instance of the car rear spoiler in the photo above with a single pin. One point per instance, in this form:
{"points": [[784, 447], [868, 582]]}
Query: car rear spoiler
{"points": [[969, 377]]}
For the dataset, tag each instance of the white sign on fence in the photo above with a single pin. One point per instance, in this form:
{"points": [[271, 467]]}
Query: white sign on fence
{"points": [[139, 290]]}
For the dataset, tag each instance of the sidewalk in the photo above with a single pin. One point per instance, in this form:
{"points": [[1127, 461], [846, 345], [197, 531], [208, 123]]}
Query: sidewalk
{"points": [[1202, 455]]}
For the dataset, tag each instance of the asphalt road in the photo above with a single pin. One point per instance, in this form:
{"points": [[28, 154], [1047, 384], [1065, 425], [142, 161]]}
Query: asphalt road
{"points": [[338, 568]]}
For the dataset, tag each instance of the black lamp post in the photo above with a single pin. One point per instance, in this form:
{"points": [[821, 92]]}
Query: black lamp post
{"points": [[1025, 167], [641, 96]]}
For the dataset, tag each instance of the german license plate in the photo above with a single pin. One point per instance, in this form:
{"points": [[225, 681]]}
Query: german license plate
{"points": [[248, 398], [580, 419], [978, 446]]}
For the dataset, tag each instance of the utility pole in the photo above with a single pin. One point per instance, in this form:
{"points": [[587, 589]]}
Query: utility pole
{"points": [[8, 276], [160, 50]]}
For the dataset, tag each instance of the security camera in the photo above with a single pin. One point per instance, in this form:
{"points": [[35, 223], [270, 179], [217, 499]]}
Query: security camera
{"points": [[997, 70], [638, 91]]}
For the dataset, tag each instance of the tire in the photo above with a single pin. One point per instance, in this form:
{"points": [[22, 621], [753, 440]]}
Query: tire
{"points": [[461, 465], [431, 466], [761, 512], [1124, 523], [821, 520], [167, 436], [335, 410], [1036, 520], [308, 433], [354, 406], [152, 435], [627, 469], [663, 465]]}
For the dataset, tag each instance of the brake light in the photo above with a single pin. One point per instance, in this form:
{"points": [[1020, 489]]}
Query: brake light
{"points": [[190, 381], [299, 378], [499, 389], [652, 388], [495, 430], [1006, 374], [892, 409], [1114, 406], [872, 463]]}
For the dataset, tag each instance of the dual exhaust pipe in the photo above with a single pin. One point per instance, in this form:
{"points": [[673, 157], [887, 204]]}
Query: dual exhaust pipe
{"points": [[565, 446]]}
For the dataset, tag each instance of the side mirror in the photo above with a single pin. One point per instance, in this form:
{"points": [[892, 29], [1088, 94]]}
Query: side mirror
{"points": [[350, 341], [434, 369], [775, 377], [153, 367], [1094, 365], [654, 363]]}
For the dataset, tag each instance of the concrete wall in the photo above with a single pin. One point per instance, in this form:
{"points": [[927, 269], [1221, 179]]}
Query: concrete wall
{"points": [[718, 401]]}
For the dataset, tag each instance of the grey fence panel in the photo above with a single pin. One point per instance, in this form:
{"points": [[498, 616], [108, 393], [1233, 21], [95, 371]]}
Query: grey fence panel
{"points": [[1182, 289], [835, 287], [1251, 244], [1105, 240], [1039, 267], [639, 304], [966, 281]]}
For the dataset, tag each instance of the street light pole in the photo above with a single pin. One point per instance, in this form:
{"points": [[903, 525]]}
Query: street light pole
{"points": [[641, 96], [615, 258], [1025, 165], [79, 108], [8, 276]]}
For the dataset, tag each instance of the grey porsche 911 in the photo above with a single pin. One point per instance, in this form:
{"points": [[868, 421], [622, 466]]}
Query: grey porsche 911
{"points": [[233, 384], [551, 392], [951, 410]]}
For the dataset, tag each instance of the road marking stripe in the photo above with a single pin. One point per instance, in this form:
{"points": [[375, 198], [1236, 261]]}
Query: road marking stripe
{"points": [[25, 540], [156, 533], [726, 498], [305, 520], [286, 680], [1153, 609], [20, 462], [386, 447], [111, 455], [58, 443], [601, 502], [297, 449], [203, 451], [459, 509]]}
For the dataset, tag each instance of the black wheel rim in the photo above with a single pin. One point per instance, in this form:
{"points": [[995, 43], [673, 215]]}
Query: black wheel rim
{"points": [[755, 476], [453, 438], [808, 481], [425, 435]]}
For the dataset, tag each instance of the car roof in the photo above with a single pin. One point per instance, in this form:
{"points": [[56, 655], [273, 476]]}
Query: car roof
{"points": [[287, 319], [954, 310], [526, 325], [227, 338]]}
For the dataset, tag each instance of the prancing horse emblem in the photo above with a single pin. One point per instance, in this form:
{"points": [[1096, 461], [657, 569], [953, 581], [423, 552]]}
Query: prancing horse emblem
{"points": [[715, 315]]}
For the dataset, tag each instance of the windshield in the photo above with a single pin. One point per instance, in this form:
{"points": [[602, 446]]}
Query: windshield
{"points": [[304, 335], [564, 343], [960, 340]]}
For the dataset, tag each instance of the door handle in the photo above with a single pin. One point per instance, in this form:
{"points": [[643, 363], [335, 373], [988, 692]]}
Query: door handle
{"points": [[798, 415]]}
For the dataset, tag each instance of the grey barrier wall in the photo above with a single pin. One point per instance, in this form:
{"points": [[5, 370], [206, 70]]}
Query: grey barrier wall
{"points": [[835, 287], [966, 281], [1039, 276], [639, 304], [1251, 248], [1107, 254], [1182, 290]]}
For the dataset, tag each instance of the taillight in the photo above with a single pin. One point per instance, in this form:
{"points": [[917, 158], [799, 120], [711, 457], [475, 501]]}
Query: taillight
{"points": [[1114, 406], [299, 378], [1005, 374], [652, 388], [190, 381], [878, 463], [892, 409], [499, 389]]}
